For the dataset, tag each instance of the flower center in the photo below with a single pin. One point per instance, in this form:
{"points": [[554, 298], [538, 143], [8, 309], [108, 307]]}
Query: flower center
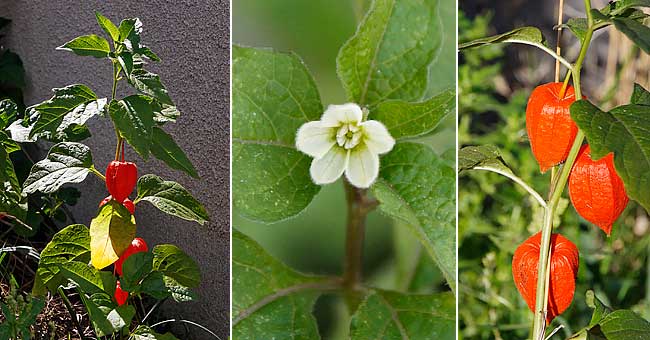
{"points": [[348, 135]]}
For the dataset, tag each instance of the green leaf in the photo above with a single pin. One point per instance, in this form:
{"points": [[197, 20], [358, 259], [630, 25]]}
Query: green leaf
{"points": [[147, 52], [389, 55], [165, 113], [108, 26], [65, 163], [134, 269], [126, 62], [130, 29], [273, 95], [165, 148], [179, 292], [640, 96], [97, 316], [71, 128], [174, 263], [171, 198], [270, 300], [78, 100], [150, 84], [636, 31], [70, 244], [154, 286], [105, 316], [8, 113], [109, 282], [624, 325], [7, 171], [12, 73], [525, 35], [83, 276], [442, 70], [623, 131], [488, 158], [578, 26], [470, 157], [133, 117], [121, 316], [146, 333], [111, 232], [600, 310], [388, 315], [418, 188], [8, 144], [407, 120], [620, 6], [271, 182], [612, 325], [88, 45]]}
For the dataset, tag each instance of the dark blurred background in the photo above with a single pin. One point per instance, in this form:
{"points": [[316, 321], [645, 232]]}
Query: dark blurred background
{"points": [[313, 241], [495, 216]]}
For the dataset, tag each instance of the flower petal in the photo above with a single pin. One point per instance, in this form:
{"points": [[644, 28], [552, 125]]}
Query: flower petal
{"points": [[363, 167], [330, 167], [314, 139], [335, 115], [378, 139]]}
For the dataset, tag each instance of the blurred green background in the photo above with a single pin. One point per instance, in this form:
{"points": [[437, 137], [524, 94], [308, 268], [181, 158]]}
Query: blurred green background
{"points": [[313, 242], [496, 216]]}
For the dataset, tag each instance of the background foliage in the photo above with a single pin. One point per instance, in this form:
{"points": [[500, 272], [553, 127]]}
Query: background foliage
{"points": [[496, 216]]}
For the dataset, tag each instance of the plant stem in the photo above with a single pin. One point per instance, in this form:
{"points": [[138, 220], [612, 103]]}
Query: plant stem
{"points": [[97, 173], [355, 232], [73, 315], [558, 50], [565, 84], [116, 74], [543, 272], [359, 205]]}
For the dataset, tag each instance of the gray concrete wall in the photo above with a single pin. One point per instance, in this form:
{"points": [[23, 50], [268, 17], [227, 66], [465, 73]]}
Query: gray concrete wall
{"points": [[192, 39]]}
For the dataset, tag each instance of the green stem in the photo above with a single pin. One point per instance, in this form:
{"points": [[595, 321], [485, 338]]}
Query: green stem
{"points": [[359, 205], [355, 233], [97, 173], [541, 296], [545, 49], [116, 74], [70, 309]]}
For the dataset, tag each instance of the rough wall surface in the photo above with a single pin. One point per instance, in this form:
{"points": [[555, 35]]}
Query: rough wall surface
{"points": [[192, 39]]}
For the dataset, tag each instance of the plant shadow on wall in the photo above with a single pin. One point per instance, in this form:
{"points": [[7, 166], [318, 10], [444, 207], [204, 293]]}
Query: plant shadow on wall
{"points": [[108, 280], [595, 279], [286, 145]]}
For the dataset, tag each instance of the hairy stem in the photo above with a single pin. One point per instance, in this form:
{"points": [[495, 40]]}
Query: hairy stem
{"points": [[543, 272], [359, 205], [355, 232]]}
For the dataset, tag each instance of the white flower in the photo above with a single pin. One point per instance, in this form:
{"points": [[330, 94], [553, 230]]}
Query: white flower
{"points": [[343, 142]]}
